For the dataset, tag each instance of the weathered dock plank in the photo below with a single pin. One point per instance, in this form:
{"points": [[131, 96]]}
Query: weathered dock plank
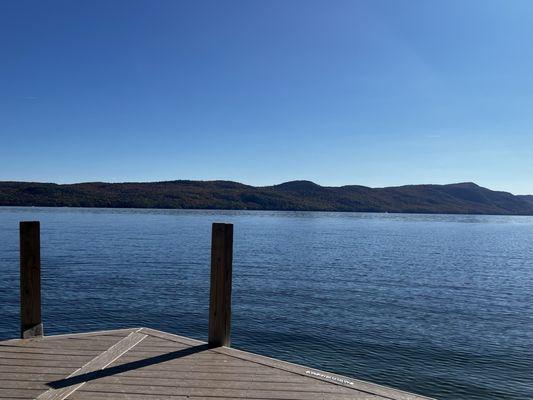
{"points": [[27, 366], [96, 364], [143, 363]]}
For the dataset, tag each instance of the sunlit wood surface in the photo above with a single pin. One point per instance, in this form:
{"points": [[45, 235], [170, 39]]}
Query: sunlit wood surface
{"points": [[142, 363]]}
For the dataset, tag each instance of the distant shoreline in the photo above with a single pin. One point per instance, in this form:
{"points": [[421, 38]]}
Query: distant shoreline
{"points": [[222, 210], [459, 198]]}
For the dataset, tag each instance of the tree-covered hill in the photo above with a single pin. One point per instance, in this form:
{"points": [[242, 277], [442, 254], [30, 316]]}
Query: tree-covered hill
{"points": [[460, 198]]}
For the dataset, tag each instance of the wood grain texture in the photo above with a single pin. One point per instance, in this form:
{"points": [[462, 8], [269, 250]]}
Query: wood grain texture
{"points": [[97, 363], [149, 364], [309, 373], [30, 280], [220, 290]]}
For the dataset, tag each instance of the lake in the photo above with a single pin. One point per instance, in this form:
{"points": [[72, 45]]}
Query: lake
{"points": [[440, 305]]}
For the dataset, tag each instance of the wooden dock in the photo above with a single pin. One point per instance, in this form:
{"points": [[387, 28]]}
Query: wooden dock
{"points": [[143, 363]]}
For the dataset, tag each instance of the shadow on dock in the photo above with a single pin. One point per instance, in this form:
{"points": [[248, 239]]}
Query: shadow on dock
{"points": [[91, 376]]}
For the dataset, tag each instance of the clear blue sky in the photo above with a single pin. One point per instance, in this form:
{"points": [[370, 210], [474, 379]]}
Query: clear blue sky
{"points": [[371, 92]]}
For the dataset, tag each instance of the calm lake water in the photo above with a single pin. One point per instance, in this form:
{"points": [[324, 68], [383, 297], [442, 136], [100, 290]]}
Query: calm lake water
{"points": [[439, 305]]}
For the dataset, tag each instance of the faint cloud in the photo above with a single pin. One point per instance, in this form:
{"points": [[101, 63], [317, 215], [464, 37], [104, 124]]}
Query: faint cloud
{"points": [[28, 98]]}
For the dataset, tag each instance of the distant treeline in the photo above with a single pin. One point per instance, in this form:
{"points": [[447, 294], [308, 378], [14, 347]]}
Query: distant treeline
{"points": [[459, 198]]}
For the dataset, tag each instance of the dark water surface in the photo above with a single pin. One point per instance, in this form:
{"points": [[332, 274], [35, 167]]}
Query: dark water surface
{"points": [[439, 305]]}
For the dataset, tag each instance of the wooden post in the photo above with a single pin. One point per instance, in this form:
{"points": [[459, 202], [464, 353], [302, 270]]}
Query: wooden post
{"points": [[220, 292], [30, 280]]}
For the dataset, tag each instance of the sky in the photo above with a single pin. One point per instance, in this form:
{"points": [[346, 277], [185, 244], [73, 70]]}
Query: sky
{"points": [[376, 93]]}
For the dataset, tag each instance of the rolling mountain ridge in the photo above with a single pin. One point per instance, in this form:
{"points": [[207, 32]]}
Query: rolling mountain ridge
{"points": [[458, 198]]}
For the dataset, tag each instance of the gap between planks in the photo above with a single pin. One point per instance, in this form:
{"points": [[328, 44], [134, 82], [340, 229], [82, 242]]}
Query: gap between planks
{"points": [[98, 363], [334, 379], [137, 335]]}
